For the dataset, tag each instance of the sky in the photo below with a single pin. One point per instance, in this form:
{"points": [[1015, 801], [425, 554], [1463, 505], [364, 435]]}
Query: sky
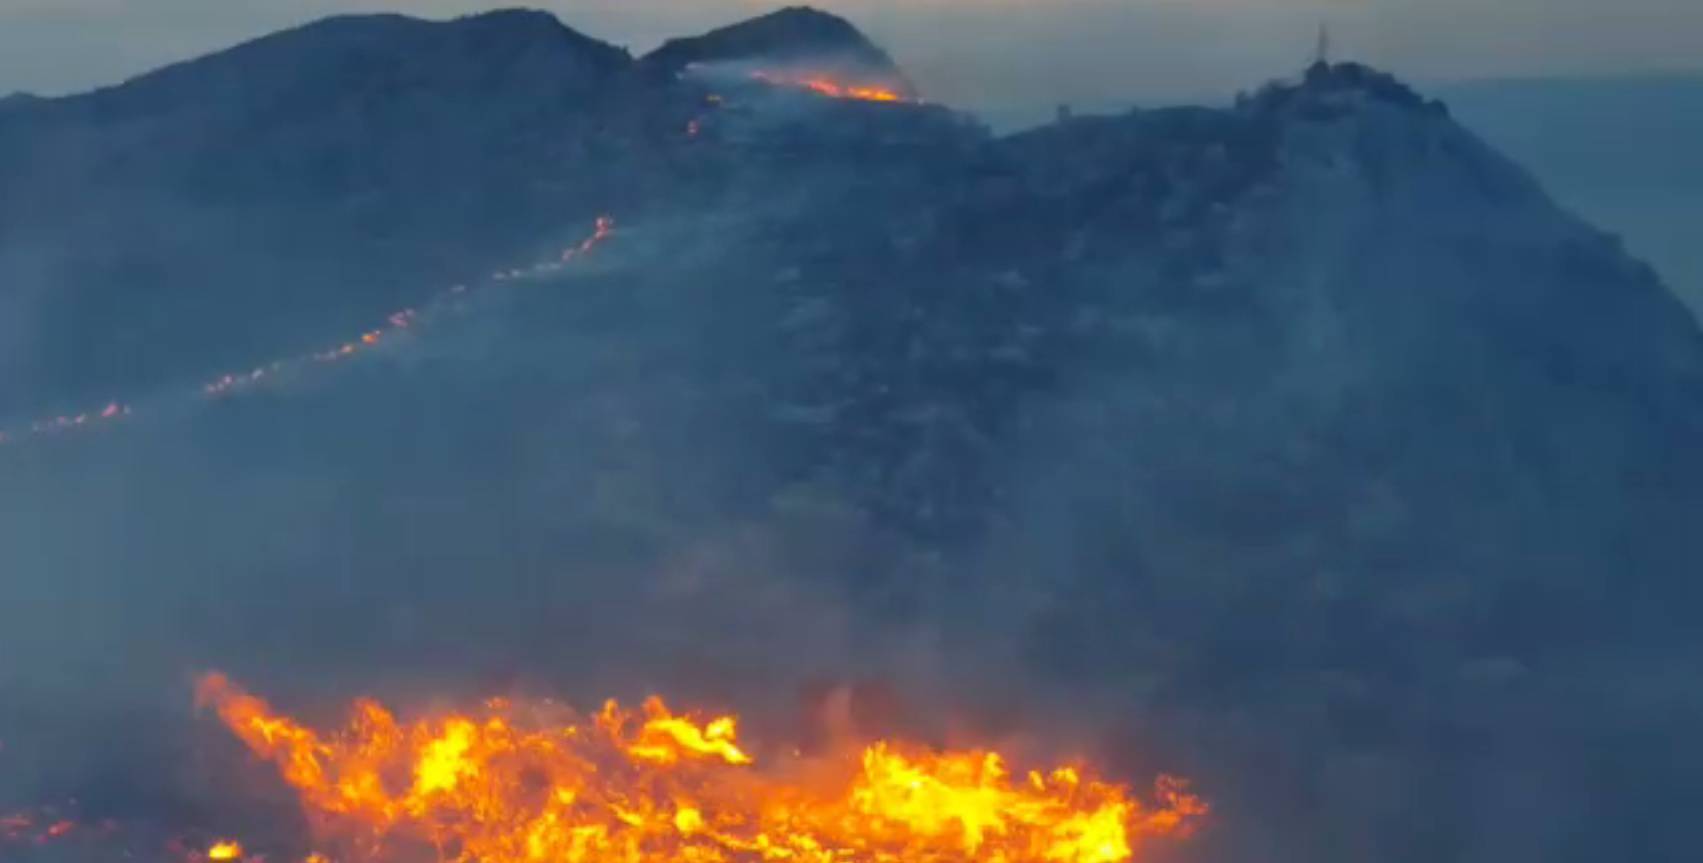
{"points": [[1088, 52]]}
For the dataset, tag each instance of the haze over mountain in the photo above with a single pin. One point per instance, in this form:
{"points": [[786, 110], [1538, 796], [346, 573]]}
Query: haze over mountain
{"points": [[1616, 150], [1619, 150], [1303, 446]]}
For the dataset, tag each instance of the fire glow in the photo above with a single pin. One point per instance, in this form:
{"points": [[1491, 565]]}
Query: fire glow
{"points": [[827, 86], [227, 850], [541, 785], [32, 828], [49, 826], [108, 839], [235, 383]]}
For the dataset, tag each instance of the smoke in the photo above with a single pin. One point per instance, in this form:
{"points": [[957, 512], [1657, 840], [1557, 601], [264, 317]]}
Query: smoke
{"points": [[528, 495], [18, 323]]}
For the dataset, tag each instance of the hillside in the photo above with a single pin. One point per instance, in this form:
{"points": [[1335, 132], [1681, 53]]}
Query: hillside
{"points": [[231, 202]]}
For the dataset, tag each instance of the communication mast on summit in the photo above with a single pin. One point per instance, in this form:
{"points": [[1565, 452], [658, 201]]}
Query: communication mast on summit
{"points": [[1321, 53]]}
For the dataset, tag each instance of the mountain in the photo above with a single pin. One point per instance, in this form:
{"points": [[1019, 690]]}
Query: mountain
{"points": [[797, 34], [1303, 446], [373, 150]]}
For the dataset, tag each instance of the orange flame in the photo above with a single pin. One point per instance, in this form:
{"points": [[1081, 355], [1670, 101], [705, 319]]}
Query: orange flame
{"points": [[226, 850], [827, 86], [238, 382], [402, 320], [513, 786]]}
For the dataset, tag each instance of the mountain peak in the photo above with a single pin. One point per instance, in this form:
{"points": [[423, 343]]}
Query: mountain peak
{"points": [[1339, 77], [522, 23], [796, 36], [515, 16], [353, 57], [18, 97], [1329, 90], [807, 21]]}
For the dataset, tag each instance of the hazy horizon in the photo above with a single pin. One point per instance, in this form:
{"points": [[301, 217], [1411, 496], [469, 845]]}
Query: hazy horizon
{"points": [[1099, 52]]}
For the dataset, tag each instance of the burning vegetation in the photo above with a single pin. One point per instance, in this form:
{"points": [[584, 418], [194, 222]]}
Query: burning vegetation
{"points": [[236, 383], [539, 784], [828, 85], [35, 827]]}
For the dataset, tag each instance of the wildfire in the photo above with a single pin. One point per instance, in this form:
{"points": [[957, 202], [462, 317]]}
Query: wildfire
{"points": [[238, 382], [227, 850], [827, 86], [112, 412], [520, 786], [46, 826], [94, 841]]}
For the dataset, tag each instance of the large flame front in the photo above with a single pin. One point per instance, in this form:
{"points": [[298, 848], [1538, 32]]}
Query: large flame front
{"points": [[515, 785]]}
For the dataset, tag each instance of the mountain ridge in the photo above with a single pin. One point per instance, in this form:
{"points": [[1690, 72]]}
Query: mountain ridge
{"points": [[796, 33], [375, 40]]}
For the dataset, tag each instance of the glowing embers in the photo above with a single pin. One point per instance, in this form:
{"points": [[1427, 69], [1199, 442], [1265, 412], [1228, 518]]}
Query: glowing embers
{"points": [[539, 784], [406, 319], [829, 86], [112, 412], [34, 828], [49, 826], [69, 838], [224, 851], [238, 382]]}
